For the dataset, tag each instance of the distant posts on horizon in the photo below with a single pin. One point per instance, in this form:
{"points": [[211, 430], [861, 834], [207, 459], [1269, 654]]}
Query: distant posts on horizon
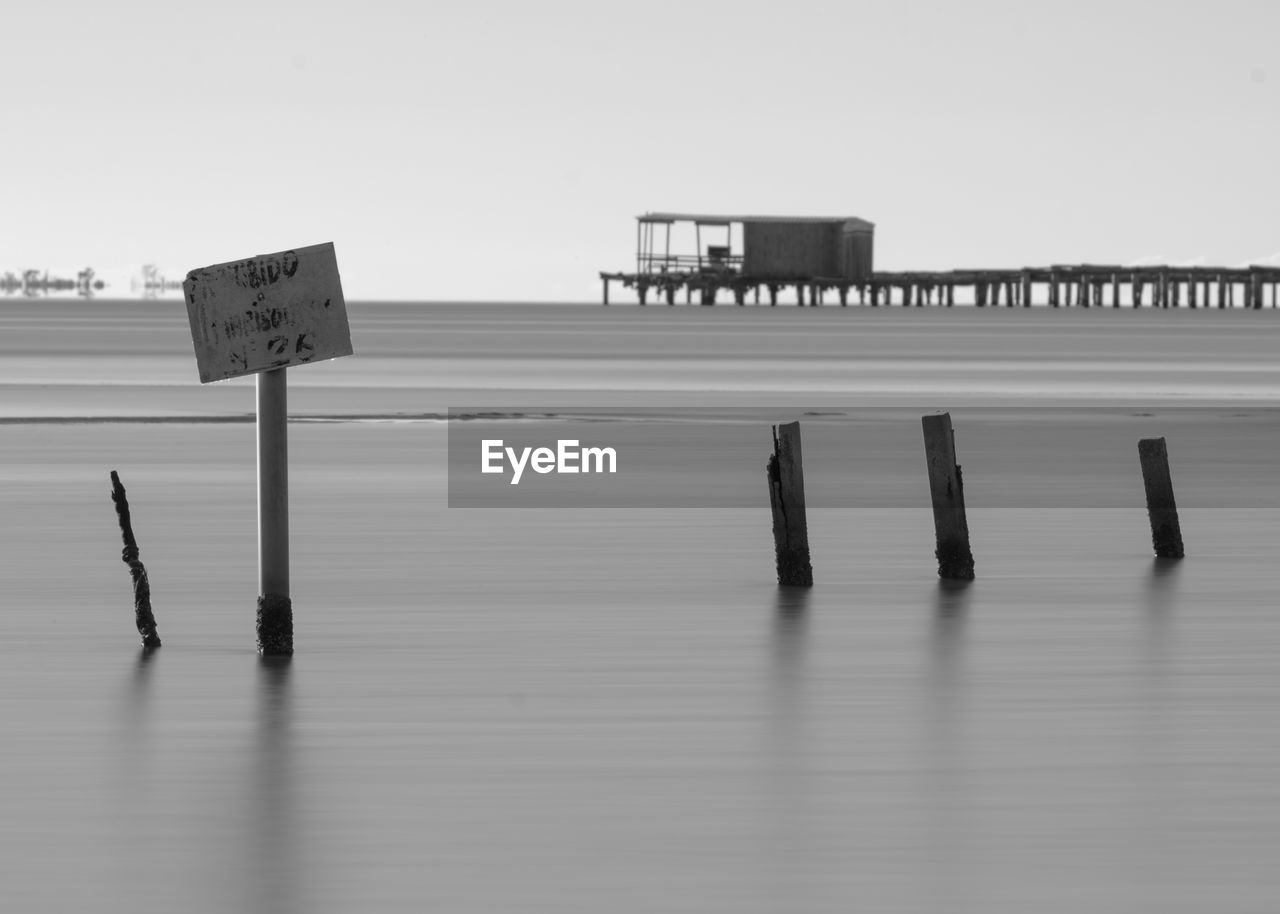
{"points": [[946, 489], [786, 501], [1162, 510]]}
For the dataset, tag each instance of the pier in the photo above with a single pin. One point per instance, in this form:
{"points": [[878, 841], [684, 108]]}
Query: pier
{"points": [[1057, 286], [826, 260]]}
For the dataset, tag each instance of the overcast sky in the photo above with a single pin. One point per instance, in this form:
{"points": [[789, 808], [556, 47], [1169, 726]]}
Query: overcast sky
{"points": [[502, 150]]}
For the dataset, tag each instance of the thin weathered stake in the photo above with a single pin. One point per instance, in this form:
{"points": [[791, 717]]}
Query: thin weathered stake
{"points": [[786, 498], [137, 571], [1166, 534], [946, 486]]}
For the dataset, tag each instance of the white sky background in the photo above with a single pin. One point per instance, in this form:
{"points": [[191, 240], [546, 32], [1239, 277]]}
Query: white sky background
{"points": [[501, 151]]}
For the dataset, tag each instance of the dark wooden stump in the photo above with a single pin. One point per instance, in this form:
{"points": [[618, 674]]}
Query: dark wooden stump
{"points": [[946, 487], [786, 498], [143, 616], [1166, 534]]}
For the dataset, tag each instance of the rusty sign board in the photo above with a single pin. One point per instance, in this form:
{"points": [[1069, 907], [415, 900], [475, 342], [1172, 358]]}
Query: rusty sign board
{"points": [[270, 311]]}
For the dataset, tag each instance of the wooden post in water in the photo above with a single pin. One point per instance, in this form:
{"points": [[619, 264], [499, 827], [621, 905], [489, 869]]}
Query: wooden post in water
{"points": [[1166, 534], [143, 617], [786, 498], [946, 487], [605, 279]]}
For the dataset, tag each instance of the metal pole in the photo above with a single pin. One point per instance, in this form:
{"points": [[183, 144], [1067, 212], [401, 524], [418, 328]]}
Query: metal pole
{"points": [[275, 611]]}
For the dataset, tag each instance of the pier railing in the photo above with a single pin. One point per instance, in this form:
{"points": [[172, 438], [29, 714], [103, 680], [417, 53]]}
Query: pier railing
{"points": [[689, 263]]}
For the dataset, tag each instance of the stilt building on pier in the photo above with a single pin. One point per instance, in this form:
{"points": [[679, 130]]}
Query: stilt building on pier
{"points": [[758, 256]]}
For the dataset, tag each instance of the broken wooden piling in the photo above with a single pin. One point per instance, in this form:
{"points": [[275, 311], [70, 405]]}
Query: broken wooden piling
{"points": [[946, 487], [143, 616], [786, 498], [1166, 534]]}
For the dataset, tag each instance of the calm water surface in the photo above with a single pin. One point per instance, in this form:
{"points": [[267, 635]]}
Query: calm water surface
{"points": [[617, 710]]}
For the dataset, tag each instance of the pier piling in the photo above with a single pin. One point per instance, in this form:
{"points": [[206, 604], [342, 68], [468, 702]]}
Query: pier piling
{"points": [[786, 499], [946, 488], [1166, 534]]}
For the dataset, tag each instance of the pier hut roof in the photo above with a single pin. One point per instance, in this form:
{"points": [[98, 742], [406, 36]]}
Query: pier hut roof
{"points": [[705, 219]]}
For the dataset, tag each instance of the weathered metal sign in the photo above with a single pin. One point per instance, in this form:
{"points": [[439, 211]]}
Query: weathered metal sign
{"points": [[270, 311]]}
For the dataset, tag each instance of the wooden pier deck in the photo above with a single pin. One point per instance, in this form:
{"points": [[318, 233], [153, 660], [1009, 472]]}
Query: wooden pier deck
{"points": [[1081, 285]]}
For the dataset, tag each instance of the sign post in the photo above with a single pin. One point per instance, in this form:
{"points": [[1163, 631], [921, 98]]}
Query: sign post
{"points": [[275, 608], [260, 316]]}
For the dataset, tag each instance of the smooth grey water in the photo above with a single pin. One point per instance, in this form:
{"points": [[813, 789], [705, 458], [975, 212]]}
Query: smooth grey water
{"points": [[616, 709]]}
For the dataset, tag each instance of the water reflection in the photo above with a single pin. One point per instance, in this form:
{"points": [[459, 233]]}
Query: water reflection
{"points": [[142, 669], [1158, 593], [950, 612], [790, 620], [946, 783], [133, 748], [1160, 582], [273, 817], [788, 787]]}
